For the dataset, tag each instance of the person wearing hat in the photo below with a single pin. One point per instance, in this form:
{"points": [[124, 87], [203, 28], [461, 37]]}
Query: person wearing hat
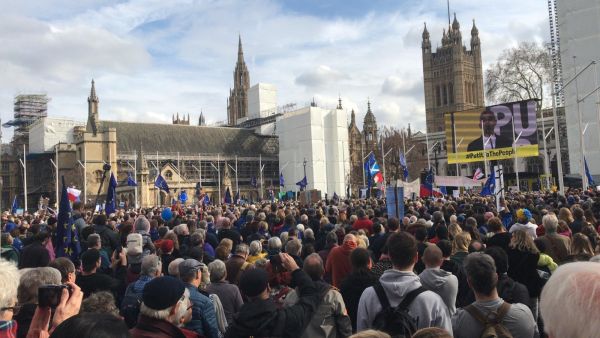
{"points": [[261, 317], [165, 307], [204, 318], [524, 216]]}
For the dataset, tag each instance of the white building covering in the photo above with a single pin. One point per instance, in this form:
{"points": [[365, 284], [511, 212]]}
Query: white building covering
{"points": [[579, 24], [46, 132], [319, 136], [262, 100]]}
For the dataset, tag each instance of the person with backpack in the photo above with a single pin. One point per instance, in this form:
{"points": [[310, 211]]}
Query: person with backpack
{"points": [[490, 315], [398, 304], [151, 268]]}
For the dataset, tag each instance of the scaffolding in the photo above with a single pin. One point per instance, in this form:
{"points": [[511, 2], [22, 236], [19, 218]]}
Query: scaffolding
{"points": [[28, 109]]}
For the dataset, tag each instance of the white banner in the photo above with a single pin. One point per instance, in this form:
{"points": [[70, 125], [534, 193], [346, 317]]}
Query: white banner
{"points": [[410, 187], [457, 181]]}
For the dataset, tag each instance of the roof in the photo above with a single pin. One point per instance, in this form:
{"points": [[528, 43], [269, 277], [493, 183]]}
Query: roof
{"points": [[165, 138]]}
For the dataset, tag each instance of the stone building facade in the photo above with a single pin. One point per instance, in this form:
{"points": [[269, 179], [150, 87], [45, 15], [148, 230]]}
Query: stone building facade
{"points": [[237, 104], [360, 144]]}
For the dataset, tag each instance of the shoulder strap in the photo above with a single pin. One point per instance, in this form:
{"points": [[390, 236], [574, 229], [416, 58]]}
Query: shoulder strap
{"points": [[472, 310], [410, 297], [385, 303], [502, 310]]}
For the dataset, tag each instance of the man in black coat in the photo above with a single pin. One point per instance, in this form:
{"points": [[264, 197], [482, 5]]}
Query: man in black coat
{"points": [[488, 121], [261, 317], [35, 254]]}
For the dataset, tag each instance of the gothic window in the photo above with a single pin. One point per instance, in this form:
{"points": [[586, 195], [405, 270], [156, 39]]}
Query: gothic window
{"points": [[474, 92], [369, 137], [438, 95], [467, 92], [445, 95], [98, 176], [451, 92], [169, 175]]}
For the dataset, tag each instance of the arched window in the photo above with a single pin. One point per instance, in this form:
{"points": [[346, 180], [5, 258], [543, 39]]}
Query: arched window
{"points": [[438, 95], [445, 95], [451, 92], [168, 174]]}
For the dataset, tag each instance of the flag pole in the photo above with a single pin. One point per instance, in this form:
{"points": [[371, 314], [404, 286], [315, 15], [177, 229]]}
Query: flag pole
{"points": [[581, 133], [237, 185], [515, 164], [135, 177], [427, 145], [485, 169], [25, 176], [56, 164], [383, 161], [362, 155], [219, 175]]}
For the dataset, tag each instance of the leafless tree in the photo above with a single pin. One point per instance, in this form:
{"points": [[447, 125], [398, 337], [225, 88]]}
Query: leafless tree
{"points": [[520, 73]]}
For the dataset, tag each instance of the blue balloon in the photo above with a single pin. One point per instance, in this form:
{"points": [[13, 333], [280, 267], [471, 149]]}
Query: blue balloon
{"points": [[166, 214]]}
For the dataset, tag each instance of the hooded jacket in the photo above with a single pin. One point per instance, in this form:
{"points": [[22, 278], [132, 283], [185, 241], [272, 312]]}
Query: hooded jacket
{"points": [[338, 263], [444, 283], [262, 318], [428, 308]]}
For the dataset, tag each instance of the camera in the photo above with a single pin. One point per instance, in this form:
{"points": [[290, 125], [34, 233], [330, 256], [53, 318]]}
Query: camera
{"points": [[49, 295]]}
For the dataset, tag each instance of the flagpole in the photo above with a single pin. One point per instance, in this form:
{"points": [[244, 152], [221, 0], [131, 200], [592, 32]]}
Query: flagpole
{"points": [[456, 148], [404, 152], [157, 173], [362, 155], [135, 176], [178, 175], [219, 175], [561, 183], [516, 168], [84, 176], [56, 164], [581, 139], [261, 175], [383, 161], [25, 177], [485, 169], [427, 144], [237, 186]]}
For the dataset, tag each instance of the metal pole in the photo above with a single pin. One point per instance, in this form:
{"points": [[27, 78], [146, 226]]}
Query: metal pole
{"points": [[383, 161], [561, 183], [157, 173], [260, 167], [84, 175], [237, 185], [485, 169], [456, 150], [25, 178], [135, 177], [219, 175], [597, 101], [404, 152], [362, 155], [200, 169], [584, 182], [56, 179], [546, 171], [516, 168], [427, 145], [178, 175]]}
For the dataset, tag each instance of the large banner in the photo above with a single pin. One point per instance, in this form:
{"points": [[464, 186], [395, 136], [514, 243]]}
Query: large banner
{"points": [[468, 132]]}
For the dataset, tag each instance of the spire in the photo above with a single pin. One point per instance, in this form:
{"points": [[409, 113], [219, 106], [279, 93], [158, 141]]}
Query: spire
{"points": [[444, 37], [474, 30], [313, 103], [352, 118], [201, 119], [339, 102], [425, 31], [455, 24], [240, 50], [425, 44], [369, 106], [93, 96]]}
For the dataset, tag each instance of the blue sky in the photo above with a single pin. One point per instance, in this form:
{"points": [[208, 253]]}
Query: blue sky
{"points": [[154, 58]]}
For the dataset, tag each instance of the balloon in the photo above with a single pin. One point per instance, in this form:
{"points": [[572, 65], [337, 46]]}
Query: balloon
{"points": [[166, 214]]}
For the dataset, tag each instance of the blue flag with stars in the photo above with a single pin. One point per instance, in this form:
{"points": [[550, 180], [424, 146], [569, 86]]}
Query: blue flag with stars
{"points": [[161, 184], [281, 180], [590, 179], [66, 237], [490, 184], [15, 206], [130, 181], [110, 205]]}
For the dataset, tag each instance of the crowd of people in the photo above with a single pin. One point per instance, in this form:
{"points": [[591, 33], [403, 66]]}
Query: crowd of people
{"points": [[449, 267]]}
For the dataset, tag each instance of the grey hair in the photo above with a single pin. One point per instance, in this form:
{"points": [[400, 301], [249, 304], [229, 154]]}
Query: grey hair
{"points": [[217, 270], [93, 240], [202, 225], [550, 222], [275, 243], [173, 268], [293, 247], [309, 234], [569, 303], [255, 248], [151, 264], [284, 236], [9, 282], [32, 279], [164, 313], [242, 248]]}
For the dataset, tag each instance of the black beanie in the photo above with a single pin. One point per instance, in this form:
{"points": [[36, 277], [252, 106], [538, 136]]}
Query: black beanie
{"points": [[162, 292]]}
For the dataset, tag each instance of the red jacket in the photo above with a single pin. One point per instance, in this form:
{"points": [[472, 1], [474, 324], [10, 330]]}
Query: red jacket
{"points": [[338, 263], [363, 223]]}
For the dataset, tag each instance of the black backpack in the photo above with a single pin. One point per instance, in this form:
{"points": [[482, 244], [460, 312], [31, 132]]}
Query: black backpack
{"points": [[395, 321], [130, 306]]}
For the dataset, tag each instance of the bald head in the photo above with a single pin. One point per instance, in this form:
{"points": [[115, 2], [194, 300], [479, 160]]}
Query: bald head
{"points": [[432, 257], [350, 238]]}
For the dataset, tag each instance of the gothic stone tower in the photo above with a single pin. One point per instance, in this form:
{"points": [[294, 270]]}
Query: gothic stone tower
{"points": [[453, 75], [237, 105], [354, 148], [370, 130]]}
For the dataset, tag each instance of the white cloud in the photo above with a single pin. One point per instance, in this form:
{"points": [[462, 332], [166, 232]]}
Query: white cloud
{"points": [[155, 58]]}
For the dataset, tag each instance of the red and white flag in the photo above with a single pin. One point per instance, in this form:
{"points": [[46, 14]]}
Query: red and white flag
{"points": [[477, 175], [73, 194]]}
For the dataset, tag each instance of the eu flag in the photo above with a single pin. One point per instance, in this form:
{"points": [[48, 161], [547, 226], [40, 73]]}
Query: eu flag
{"points": [[130, 181], [590, 179], [488, 187], [302, 183], [161, 184], [253, 182], [15, 206], [66, 238], [281, 180], [404, 166], [110, 205]]}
